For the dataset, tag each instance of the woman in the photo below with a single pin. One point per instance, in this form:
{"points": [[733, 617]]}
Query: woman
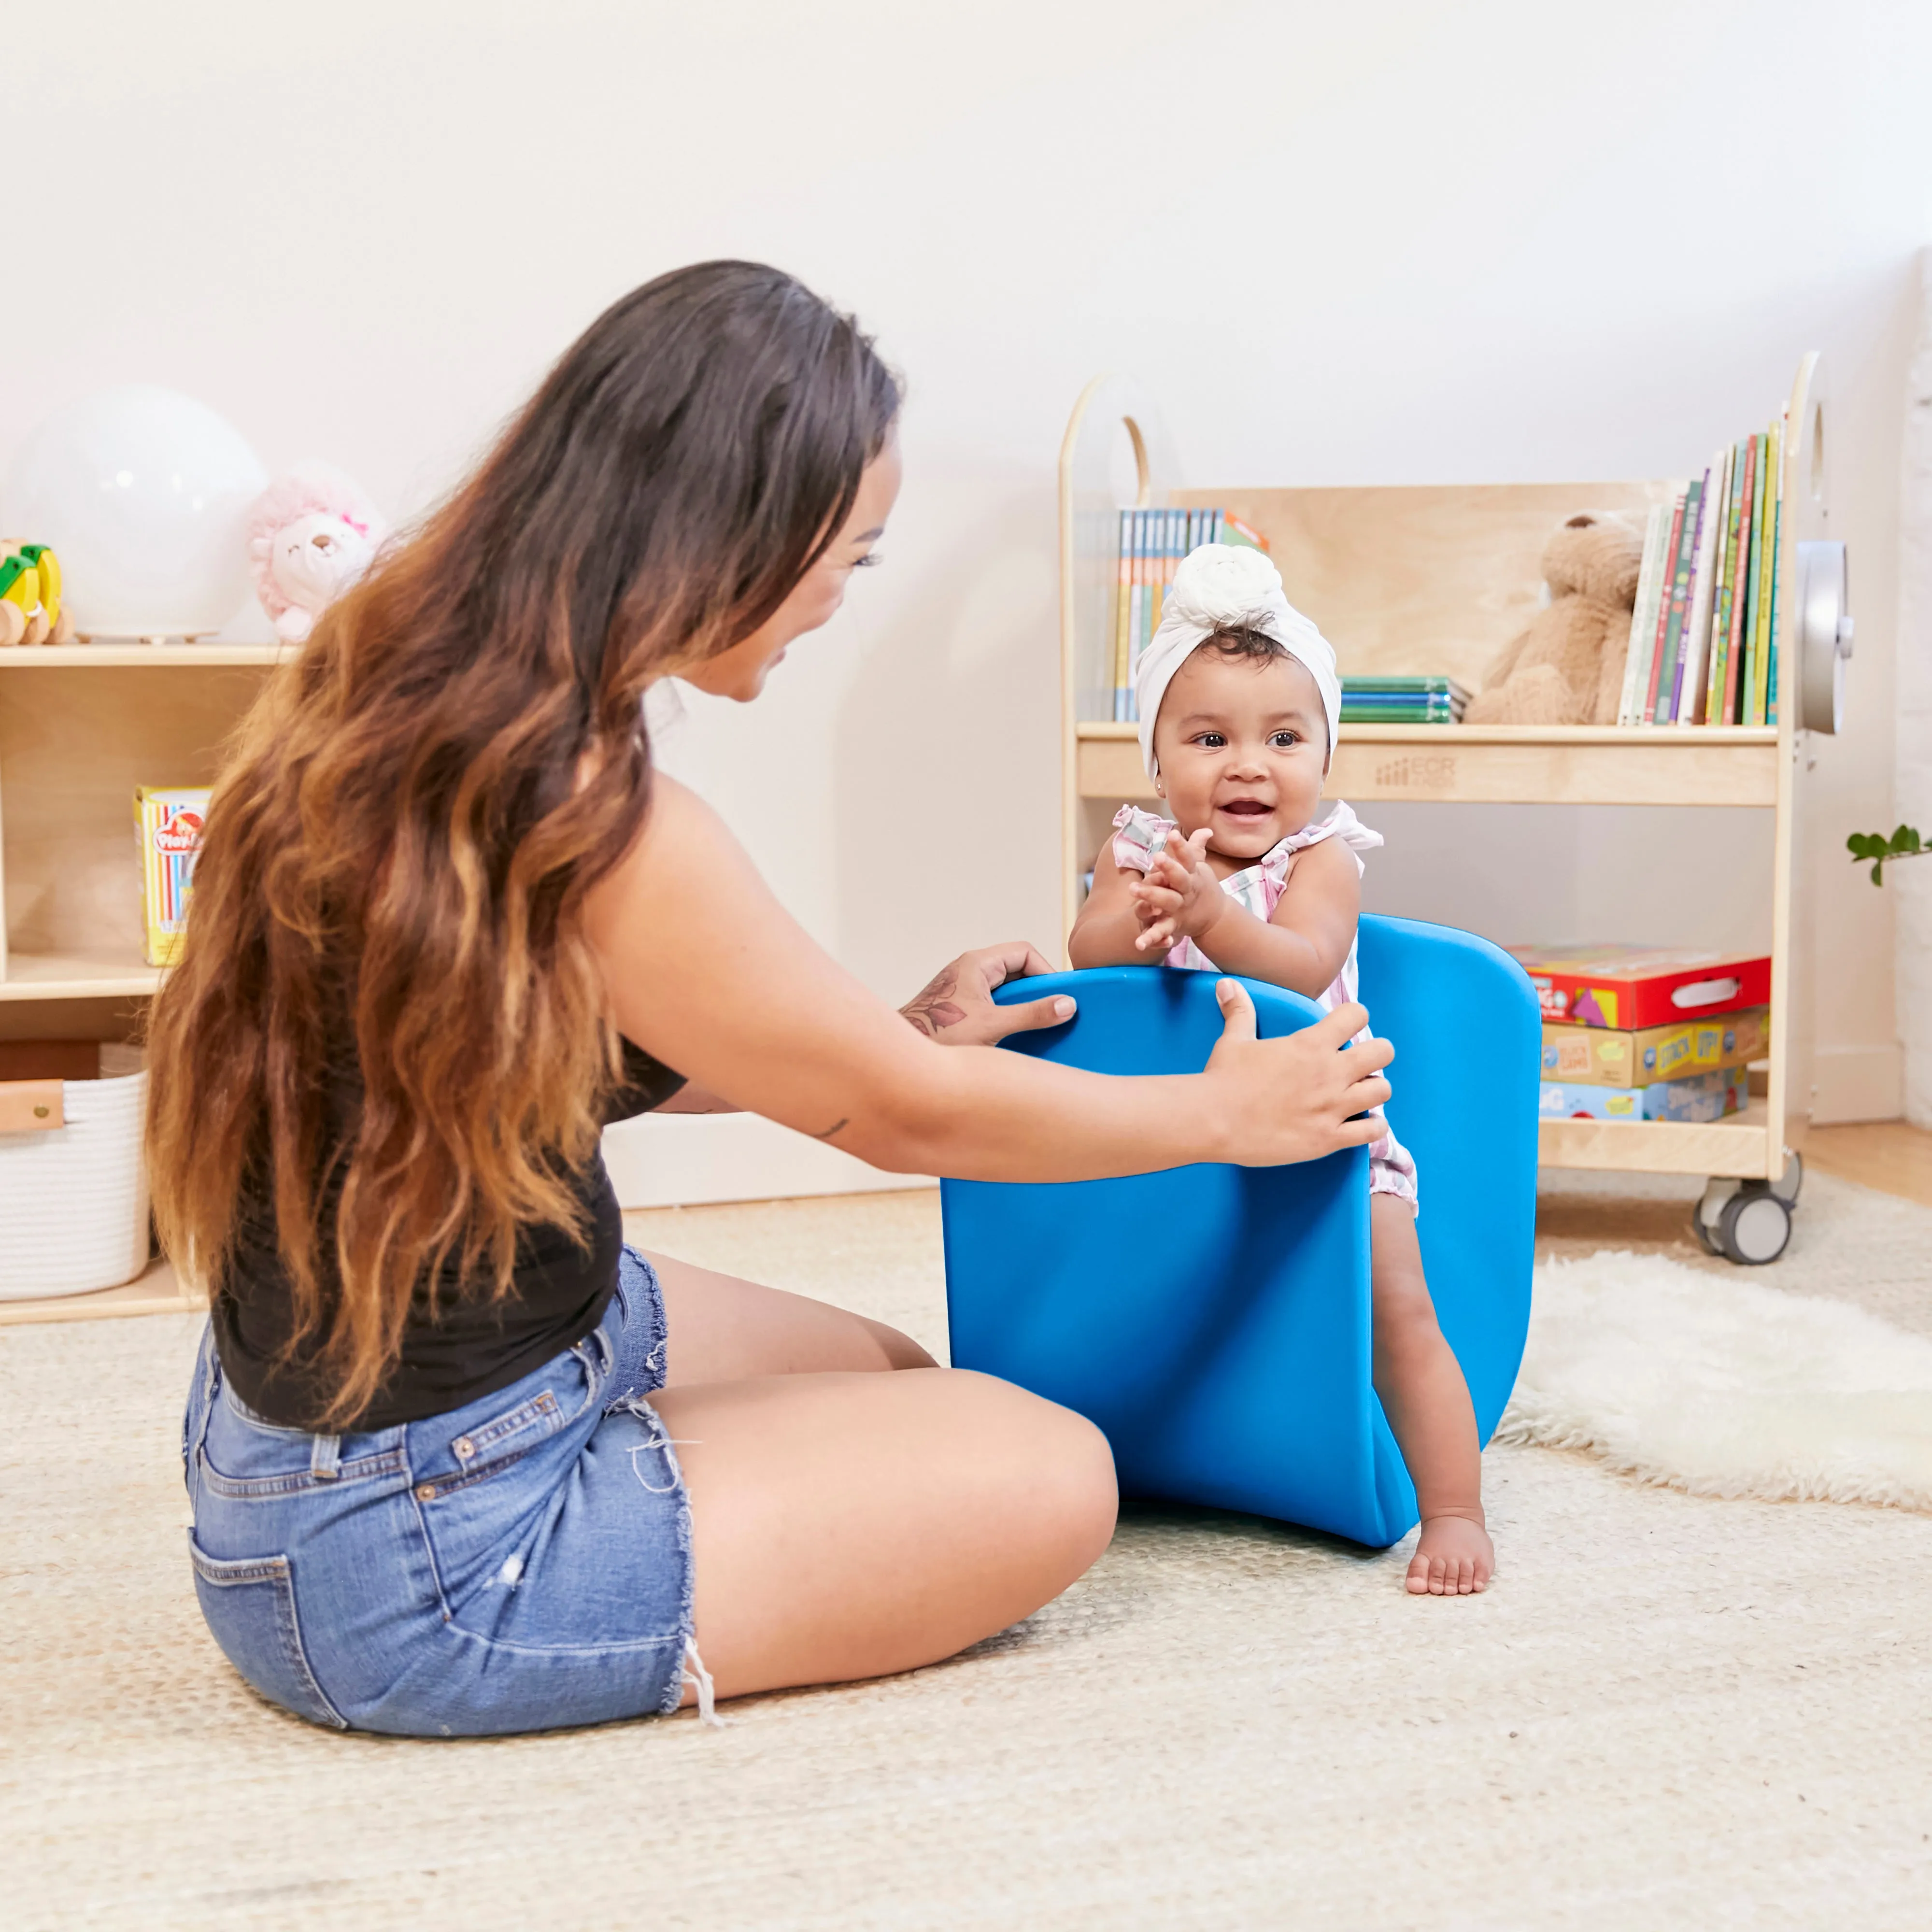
{"points": [[459, 1463]]}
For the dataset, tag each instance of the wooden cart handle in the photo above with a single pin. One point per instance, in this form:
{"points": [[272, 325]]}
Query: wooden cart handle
{"points": [[28, 1106]]}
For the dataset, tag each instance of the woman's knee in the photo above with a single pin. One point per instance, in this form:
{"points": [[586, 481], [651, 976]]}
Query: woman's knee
{"points": [[1064, 1492]]}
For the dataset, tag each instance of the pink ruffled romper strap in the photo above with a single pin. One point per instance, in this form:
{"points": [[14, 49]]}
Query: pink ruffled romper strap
{"points": [[1138, 835]]}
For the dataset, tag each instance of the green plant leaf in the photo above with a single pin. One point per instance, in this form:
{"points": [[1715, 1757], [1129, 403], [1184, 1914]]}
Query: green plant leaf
{"points": [[1864, 845], [1905, 839], [1878, 873]]}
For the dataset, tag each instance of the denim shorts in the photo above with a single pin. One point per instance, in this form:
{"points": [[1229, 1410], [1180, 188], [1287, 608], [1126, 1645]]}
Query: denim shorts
{"points": [[519, 1563]]}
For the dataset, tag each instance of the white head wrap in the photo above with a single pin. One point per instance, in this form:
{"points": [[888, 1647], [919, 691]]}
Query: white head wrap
{"points": [[1216, 587]]}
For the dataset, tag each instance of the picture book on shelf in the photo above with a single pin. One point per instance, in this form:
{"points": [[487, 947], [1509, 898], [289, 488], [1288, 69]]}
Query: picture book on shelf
{"points": [[1703, 642], [1152, 544]]}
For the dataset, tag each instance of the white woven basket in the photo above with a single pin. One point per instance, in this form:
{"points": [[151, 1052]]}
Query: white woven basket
{"points": [[74, 1199]]}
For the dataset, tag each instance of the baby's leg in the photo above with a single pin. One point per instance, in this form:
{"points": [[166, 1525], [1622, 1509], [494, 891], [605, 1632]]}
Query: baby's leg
{"points": [[1427, 1404]]}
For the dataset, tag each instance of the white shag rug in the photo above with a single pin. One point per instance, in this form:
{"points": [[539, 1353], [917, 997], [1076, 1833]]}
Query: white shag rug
{"points": [[1723, 1386]]}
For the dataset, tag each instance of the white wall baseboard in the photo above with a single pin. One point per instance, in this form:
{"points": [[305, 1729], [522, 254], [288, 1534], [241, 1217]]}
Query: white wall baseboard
{"points": [[1857, 1083], [684, 1160]]}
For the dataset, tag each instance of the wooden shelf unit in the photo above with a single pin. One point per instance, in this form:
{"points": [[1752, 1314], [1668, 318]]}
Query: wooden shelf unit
{"points": [[156, 1291], [124, 656], [80, 726], [1437, 579]]}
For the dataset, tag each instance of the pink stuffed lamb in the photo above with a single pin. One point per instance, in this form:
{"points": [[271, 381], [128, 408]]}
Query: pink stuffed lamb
{"points": [[311, 534]]}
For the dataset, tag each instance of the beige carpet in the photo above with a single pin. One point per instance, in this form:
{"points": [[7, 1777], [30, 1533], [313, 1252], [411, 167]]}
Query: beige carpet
{"points": [[1670, 1711]]}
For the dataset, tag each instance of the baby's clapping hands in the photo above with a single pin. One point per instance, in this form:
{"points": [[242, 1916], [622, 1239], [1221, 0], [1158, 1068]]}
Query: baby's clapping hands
{"points": [[1177, 897]]}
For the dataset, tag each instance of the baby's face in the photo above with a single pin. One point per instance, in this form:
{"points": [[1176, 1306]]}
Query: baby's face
{"points": [[1241, 747]]}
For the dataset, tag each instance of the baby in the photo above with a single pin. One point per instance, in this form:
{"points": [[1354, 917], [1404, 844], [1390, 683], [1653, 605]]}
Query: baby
{"points": [[1238, 706]]}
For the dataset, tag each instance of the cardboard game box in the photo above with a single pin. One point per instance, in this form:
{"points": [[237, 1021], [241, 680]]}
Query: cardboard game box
{"points": [[1629, 988], [1596, 1057], [1701, 1098], [167, 825]]}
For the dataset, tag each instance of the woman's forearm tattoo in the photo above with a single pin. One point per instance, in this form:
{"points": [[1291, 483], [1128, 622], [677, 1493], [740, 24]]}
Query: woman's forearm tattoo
{"points": [[935, 1007]]}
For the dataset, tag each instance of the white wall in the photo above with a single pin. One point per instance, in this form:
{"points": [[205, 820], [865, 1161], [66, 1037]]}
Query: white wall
{"points": [[1400, 244], [1910, 883]]}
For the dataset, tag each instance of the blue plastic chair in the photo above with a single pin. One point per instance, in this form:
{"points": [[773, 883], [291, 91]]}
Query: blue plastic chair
{"points": [[1214, 1321]]}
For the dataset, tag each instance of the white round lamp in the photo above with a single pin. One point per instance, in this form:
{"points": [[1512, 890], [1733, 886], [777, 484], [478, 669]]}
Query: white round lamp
{"points": [[144, 494]]}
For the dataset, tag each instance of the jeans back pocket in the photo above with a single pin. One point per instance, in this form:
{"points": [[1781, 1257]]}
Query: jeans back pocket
{"points": [[249, 1603]]}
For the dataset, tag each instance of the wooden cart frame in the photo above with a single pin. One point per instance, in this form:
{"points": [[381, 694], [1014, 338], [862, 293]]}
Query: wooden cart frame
{"points": [[1438, 579]]}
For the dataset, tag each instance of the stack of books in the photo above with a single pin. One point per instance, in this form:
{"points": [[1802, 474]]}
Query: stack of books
{"points": [[1402, 700], [1703, 638], [1152, 542]]}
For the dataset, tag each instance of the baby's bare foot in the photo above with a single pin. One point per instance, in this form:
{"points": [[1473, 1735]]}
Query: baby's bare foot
{"points": [[1454, 1558]]}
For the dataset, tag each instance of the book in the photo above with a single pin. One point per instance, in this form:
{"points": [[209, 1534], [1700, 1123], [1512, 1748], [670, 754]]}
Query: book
{"points": [[1152, 546], [1734, 650], [1418, 700], [1686, 705], [1776, 571], [1420, 682], [1767, 633], [1156, 569], [1643, 617], [1762, 504], [1683, 595], [1720, 619], [1670, 609], [1396, 714], [1137, 640]]}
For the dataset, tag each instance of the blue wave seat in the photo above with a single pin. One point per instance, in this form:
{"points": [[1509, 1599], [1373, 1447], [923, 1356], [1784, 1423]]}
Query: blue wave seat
{"points": [[1214, 1321]]}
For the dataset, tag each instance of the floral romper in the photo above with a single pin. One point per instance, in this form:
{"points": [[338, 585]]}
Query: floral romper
{"points": [[1138, 835]]}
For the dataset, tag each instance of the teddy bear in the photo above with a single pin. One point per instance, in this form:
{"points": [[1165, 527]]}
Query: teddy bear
{"points": [[1567, 667], [311, 534]]}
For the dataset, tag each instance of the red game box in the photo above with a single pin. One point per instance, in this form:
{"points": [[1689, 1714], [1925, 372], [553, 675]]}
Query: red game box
{"points": [[1626, 987]]}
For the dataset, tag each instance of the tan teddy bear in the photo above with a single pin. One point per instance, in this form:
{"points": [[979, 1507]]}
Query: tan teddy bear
{"points": [[1567, 668]]}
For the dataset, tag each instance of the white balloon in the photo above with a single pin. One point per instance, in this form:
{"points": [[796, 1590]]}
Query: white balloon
{"points": [[144, 494]]}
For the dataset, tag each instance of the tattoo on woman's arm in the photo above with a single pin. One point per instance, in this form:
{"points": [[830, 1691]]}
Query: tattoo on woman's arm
{"points": [[935, 1007], [833, 1129]]}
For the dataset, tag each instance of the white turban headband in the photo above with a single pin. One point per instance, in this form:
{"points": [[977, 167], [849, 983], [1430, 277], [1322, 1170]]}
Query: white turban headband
{"points": [[1217, 587]]}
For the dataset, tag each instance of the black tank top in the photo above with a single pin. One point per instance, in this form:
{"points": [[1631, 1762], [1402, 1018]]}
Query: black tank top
{"points": [[457, 1345]]}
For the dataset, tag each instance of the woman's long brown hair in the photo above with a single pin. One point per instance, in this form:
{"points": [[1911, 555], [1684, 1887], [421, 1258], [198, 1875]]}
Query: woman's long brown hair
{"points": [[395, 860]]}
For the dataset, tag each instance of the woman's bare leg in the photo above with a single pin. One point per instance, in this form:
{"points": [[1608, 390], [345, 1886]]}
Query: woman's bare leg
{"points": [[851, 1525], [724, 1330]]}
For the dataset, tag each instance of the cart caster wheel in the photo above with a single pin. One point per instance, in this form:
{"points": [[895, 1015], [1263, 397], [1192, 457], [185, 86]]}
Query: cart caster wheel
{"points": [[1754, 1225]]}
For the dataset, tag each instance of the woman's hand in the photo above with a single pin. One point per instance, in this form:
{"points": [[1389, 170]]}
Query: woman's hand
{"points": [[1178, 896], [957, 1009], [1296, 1098]]}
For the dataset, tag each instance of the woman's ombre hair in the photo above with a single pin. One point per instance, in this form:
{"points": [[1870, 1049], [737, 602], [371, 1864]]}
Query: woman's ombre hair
{"points": [[391, 881]]}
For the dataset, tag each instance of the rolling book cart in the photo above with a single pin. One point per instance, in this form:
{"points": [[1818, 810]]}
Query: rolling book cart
{"points": [[1437, 580], [81, 725]]}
